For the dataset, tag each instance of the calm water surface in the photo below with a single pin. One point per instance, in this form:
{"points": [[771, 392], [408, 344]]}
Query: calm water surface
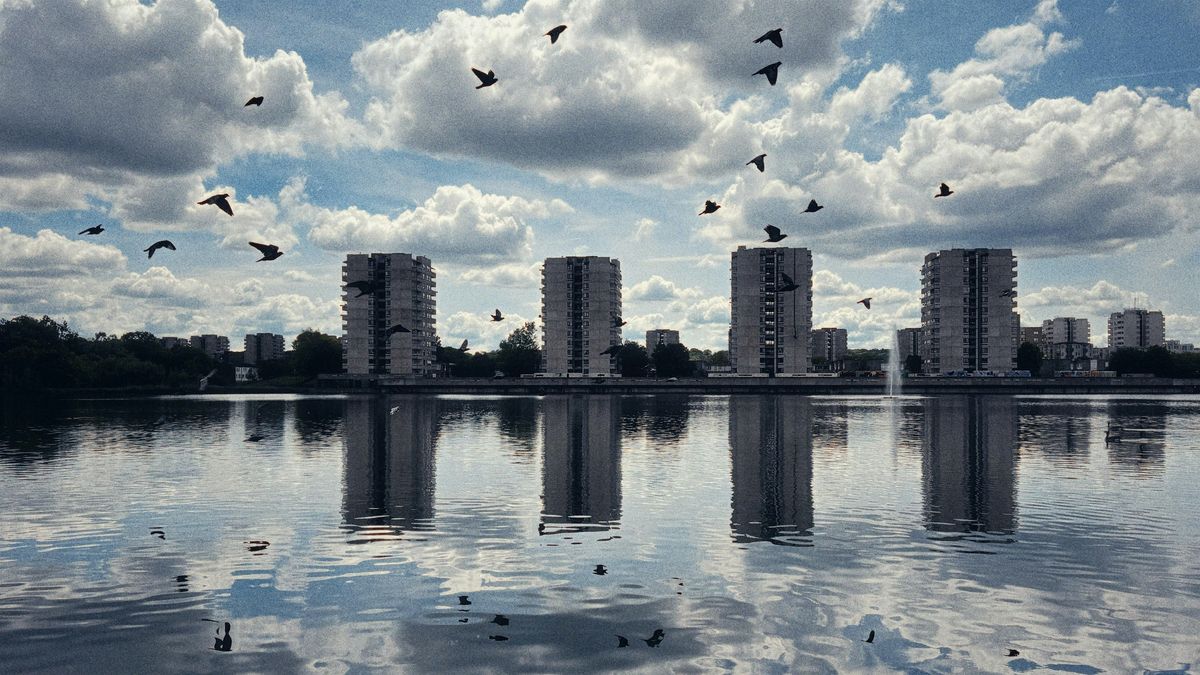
{"points": [[763, 534]]}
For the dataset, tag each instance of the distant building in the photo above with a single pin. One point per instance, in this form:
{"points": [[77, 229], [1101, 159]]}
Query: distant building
{"points": [[1137, 328], [1066, 329], [1067, 342], [213, 345], [245, 374], [581, 307], [909, 342], [405, 295], [1177, 347], [968, 318], [827, 348], [263, 347], [1034, 336], [173, 342], [660, 336], [770, 329]]}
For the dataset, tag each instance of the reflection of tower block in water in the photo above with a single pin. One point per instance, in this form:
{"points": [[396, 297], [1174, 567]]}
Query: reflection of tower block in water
{"points": [[389, 466], [581, 469], [969, 463], [770, 445]]}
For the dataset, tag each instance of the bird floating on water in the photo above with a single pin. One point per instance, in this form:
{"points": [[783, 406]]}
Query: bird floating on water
{"points": [[655, 639], [771, 71], [870, 638], [774, 36]]}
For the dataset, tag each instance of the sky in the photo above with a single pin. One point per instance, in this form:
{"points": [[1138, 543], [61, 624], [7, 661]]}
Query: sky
{"points": [[1069, 131]]}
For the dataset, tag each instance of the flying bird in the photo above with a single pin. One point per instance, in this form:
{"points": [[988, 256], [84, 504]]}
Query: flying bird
{"points": [[865, 302], [771, 71], [759, 162], [611, 350], [775, 36], [157, 245], [256, 100], [617, 322], [497, 316], [220, 201], [1007, 293], [463, 346], [363, 287], [204, 380], [813, 206], [1013, 652], [788, 284], [268, 251], [655, 639], [944, 191], [709, 207], [555, 32], [870, 638], [97, 229], [395, 329], [485, 79], [773, 234]]}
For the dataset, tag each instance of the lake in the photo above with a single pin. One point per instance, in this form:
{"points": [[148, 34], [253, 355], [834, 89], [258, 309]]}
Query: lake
{"points": [[584, 533]]}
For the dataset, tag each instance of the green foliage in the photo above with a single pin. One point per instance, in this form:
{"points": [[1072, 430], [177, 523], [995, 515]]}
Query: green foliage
{"points": [[1029, 357], [865, 359], [315, 354], [632, 360], [912, 364], [720, 358], [479, 364], [672, 361], [519, 353]]}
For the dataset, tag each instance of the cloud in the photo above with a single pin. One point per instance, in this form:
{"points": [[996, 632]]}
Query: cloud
{"points": [[479, 329], [51, 255], [511, 275], [644, 229], [457, 221], [630, 90], [835, 305], [141, 92], [657, 288], [159, 284]]}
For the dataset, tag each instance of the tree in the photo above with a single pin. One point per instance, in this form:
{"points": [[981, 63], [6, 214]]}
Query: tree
{"points": [[479, 364], [632, 359], [720, 358], [912, 364], [1153, 361], [672, 361], [316, 353], [1029, 357], [520, 353]]}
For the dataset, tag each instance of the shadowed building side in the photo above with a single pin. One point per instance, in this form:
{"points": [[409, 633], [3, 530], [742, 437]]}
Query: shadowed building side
{"points": [[968, 317], [405, 296], [770, 447], [969, 464], [389, 464], [581, 298], [581, 467], [770, 327]]}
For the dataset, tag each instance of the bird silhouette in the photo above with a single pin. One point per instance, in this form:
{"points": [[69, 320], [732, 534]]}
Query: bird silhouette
{"points": [[257, 545], [870, 638], [268, 251], [611, 350], [157, 245], [865, 302], [709, 207], [775, 37], [1007, 293], [223, 644], [254, 438], [944, 191], [622, 641], [813, 206], [617, 322], [363, 287], [788, 284], [1110, 437], [97, 229], [486, 79], [158, 532], [655, 639], [760, 162], [463, 346], [464, 599], [771, 71], [1013, 652], [497, 638], [600, 570], [395, 329], [555, 32], [255, 100], [497, 316], [773, 234], [220, 201], [500, 620]]}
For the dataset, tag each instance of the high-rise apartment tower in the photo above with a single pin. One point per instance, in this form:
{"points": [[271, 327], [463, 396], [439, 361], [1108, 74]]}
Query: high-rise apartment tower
{"points": [[404, 294]]}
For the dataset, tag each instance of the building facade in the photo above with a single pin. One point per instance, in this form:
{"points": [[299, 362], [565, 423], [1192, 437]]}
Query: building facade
{"points": [[581, 307], [660, 336], [770, 329], [908, 343], [968, 317], [1034, 336], [213, 345], [263, 347], [1136, 328], [828, 348], [405, 294]]}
